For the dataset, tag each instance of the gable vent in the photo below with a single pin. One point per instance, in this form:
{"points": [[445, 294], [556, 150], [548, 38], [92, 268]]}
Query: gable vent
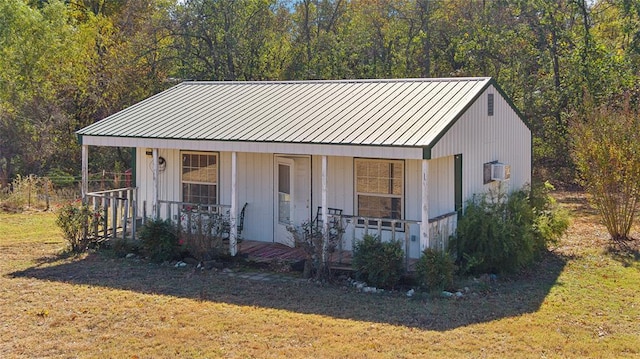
{"points": [[490, 104]]}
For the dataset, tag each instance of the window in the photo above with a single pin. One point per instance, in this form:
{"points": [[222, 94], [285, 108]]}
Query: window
{"points": [[379, 188], [200, 177]]}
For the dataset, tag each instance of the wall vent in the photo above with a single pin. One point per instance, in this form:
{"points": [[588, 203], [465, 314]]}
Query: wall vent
{"points": [[490, 104]]}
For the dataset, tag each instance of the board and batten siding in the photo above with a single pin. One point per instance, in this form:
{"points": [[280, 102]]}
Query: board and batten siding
{"points": [[255, 186], [481, 138], [168, 180]]}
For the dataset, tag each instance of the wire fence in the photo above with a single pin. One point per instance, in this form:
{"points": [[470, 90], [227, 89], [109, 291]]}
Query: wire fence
{"points": [[40, 193]]}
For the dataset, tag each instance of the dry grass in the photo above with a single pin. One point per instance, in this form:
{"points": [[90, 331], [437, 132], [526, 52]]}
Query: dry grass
{"points": [[580, 301]]}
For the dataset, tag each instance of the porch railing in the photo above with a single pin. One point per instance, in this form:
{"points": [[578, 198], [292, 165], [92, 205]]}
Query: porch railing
{"points": [[116, 212], [441, 229], [172, 210]]}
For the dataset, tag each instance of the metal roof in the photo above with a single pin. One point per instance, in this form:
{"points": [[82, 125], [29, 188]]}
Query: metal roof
{"points": [[399, 112]]}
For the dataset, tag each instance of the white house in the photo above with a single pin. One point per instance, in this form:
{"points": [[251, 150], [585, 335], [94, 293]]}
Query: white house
{"points": [[393, 155]]}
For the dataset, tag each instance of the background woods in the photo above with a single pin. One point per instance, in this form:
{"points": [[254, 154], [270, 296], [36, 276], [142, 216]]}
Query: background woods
{"points": [[64, 65]]}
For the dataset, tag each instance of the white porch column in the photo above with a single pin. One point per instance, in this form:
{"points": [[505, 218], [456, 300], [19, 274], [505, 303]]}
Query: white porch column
{"points": [[424, 220], [85, 171], [154, 193], [325, 212], [233, 212]]}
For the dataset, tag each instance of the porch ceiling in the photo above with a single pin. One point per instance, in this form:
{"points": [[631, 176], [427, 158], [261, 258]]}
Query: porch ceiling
{"points": [[406, 113]]}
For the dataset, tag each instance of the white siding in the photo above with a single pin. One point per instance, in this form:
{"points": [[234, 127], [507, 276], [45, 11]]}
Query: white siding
{"points": [[481, 139], [255, 187], [339, 183], [168, 179]]}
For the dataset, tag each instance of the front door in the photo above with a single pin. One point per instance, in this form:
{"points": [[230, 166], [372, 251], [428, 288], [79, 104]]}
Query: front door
{"points": [[292, 195]]}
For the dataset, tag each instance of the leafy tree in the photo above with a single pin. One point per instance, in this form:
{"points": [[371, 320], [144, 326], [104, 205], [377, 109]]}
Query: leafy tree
{"points": [[606, 150]]}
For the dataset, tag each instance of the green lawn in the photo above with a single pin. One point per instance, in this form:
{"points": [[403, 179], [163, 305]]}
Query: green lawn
{"points": [[579, 301]]}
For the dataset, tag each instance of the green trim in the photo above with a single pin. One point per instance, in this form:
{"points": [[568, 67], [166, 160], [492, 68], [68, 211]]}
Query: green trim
{"points": [[134, 166], [426, 153], [79, 139], [457, 184]]}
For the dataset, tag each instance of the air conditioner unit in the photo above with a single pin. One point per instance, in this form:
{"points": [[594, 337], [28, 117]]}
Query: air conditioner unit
{"points": [[500, 172]]}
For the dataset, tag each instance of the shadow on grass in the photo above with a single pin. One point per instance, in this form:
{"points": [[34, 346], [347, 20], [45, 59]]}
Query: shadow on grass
{"points": [[508, 297], [626, 253]]}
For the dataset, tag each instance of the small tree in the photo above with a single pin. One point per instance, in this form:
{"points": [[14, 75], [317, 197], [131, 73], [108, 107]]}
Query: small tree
{"points": [[606, 151]]}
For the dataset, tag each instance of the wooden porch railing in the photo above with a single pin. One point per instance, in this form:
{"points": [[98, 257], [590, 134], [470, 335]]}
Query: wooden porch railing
{"points": [[116, 210], [441, 228], [191, 215]]}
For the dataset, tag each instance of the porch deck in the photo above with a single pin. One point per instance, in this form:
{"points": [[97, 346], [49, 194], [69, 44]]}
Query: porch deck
{"points": [[264, 252]]}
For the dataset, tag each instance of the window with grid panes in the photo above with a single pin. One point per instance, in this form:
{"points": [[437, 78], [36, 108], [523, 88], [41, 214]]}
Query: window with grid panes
{"points": [[200, 177], [379, 188]]}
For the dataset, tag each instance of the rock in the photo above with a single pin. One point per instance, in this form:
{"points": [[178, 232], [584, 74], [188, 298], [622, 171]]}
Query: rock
{"points": [[467, 290], [181, 264], [447, 294], [227, 270], [410, 293], [130, 255], [458, 294], [369, 289], [360, 285]]}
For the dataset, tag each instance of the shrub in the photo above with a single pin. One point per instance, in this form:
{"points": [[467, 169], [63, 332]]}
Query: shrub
{"points": [[201, 234], [434, 270], [504, 233], [551, 221], [74, 219], [378, 263], [606, 151], [159, 240]]}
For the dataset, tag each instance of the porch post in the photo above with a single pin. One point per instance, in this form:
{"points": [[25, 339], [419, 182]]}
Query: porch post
{"points": [[424, 221], [85, 172], [154, 193], [325, 212], [233, 212]]}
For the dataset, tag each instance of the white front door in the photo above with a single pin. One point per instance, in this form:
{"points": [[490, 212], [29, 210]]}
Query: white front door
{"points": [[292, 195]]}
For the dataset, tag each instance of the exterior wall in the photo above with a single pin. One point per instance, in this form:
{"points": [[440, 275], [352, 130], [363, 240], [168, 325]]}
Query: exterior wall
{"points": [[481, 139], [168, 180], [256, 186]]}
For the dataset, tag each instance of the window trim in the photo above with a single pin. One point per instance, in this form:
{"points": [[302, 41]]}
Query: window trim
{"points": [[385, 224], [217, 183]]}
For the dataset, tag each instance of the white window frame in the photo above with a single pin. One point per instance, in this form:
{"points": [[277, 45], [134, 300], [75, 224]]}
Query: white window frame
{"points": [[216, 183], [381, 195]]}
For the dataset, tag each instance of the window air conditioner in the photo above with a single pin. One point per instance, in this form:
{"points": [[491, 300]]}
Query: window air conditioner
{"points": [[500, 172]]}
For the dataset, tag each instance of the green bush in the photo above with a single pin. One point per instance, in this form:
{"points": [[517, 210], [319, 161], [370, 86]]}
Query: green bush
{"points": [[434, 270], [378, 263], [159, 240], [504, 233], [551, 221], [74, 219]]}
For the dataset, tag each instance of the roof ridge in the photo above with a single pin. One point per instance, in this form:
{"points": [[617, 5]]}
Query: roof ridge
{"points": [[346, 81]]}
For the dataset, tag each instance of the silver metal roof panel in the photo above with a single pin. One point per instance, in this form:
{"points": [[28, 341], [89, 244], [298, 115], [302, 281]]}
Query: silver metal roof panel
{"points": [[400, 112]]}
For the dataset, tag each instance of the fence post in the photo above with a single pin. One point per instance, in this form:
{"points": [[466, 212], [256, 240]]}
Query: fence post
{"points": [[126, 218], [114, 212], [105, 209], [134, 224]]}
